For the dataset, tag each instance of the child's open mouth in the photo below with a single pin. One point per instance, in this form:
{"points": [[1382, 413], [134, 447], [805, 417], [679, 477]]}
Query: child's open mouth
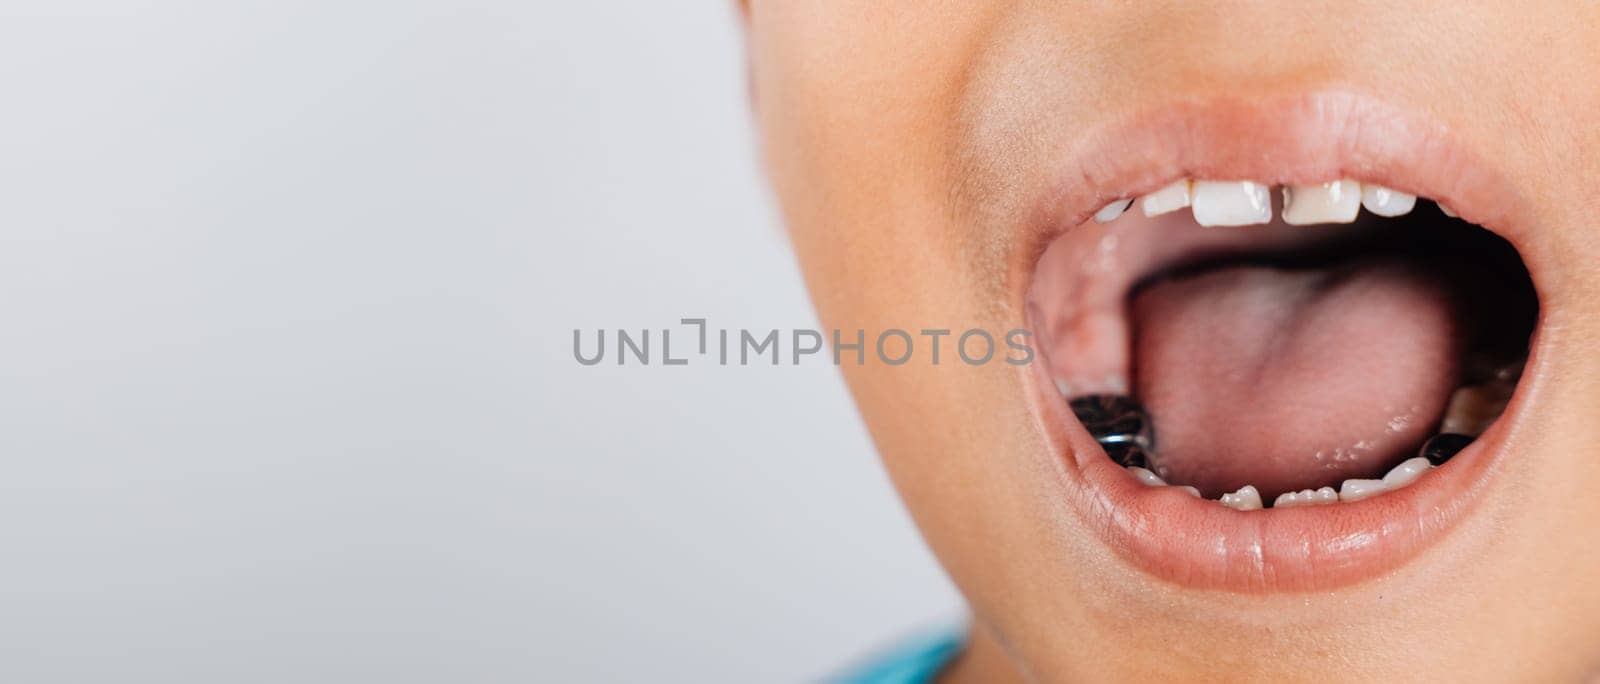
{"points": [[1284, 377], [1278, 364]]}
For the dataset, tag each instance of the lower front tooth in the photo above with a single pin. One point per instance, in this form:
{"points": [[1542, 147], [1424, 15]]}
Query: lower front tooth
{"points": [[1356, 490], [1246, 499], [1306, 497], [1335, 202], [1231, 203]]}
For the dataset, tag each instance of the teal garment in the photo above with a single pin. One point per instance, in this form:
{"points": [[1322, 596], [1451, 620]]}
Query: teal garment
{"points": [[915, 662]]}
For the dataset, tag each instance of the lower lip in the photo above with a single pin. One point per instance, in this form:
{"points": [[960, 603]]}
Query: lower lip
{"points": [[1199, 543]]}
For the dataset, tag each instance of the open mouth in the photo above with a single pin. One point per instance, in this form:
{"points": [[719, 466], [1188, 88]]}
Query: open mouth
{"points": [[1326, 348], [1290, 379]]}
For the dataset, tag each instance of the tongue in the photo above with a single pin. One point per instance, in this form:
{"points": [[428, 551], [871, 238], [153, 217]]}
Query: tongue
{"points": [[1289, 380]]}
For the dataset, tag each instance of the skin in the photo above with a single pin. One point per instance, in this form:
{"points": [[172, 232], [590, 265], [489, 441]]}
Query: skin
{"points": [[905, 141]]}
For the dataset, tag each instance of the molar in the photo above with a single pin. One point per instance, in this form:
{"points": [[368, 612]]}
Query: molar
{"points": [[1335, 202], [1472, 409], [1231, 203]]}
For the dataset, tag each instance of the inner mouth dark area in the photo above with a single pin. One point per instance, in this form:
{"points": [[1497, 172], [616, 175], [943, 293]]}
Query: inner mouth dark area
{"points": [[1299, 367], [1490, 282]]}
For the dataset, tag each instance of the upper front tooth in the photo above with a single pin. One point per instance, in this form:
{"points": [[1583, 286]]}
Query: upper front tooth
{"points": [[1246, 499], [1447, 211], [1110, 212], [1231, 203], [1335, 202], [1170, 198], [1385, 202], [1406, 473]]}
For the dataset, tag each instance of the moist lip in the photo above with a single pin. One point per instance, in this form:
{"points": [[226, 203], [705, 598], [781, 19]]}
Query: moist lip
{"points": [[1305, 139]]}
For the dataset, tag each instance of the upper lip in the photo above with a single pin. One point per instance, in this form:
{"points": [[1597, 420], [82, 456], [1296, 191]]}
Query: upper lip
{"points": [[1309, 138]]}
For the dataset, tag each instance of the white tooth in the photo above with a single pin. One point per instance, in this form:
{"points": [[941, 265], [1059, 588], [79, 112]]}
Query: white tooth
{"points": [[1447, 211], [1145, 476], [1064, 388], [1406, 473], [1246, 499], [1306, 497], [1110, 212], [1231, 203], [1385, 202], [1356, 490], [1335, 202], [1170, 198], [1150, 479]]}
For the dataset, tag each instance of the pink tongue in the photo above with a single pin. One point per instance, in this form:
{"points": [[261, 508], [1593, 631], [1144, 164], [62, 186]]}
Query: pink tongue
{"points": [[1289, 380]]}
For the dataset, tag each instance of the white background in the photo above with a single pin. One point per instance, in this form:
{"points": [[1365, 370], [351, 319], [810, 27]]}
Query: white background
{"points": [[287, 292]]}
